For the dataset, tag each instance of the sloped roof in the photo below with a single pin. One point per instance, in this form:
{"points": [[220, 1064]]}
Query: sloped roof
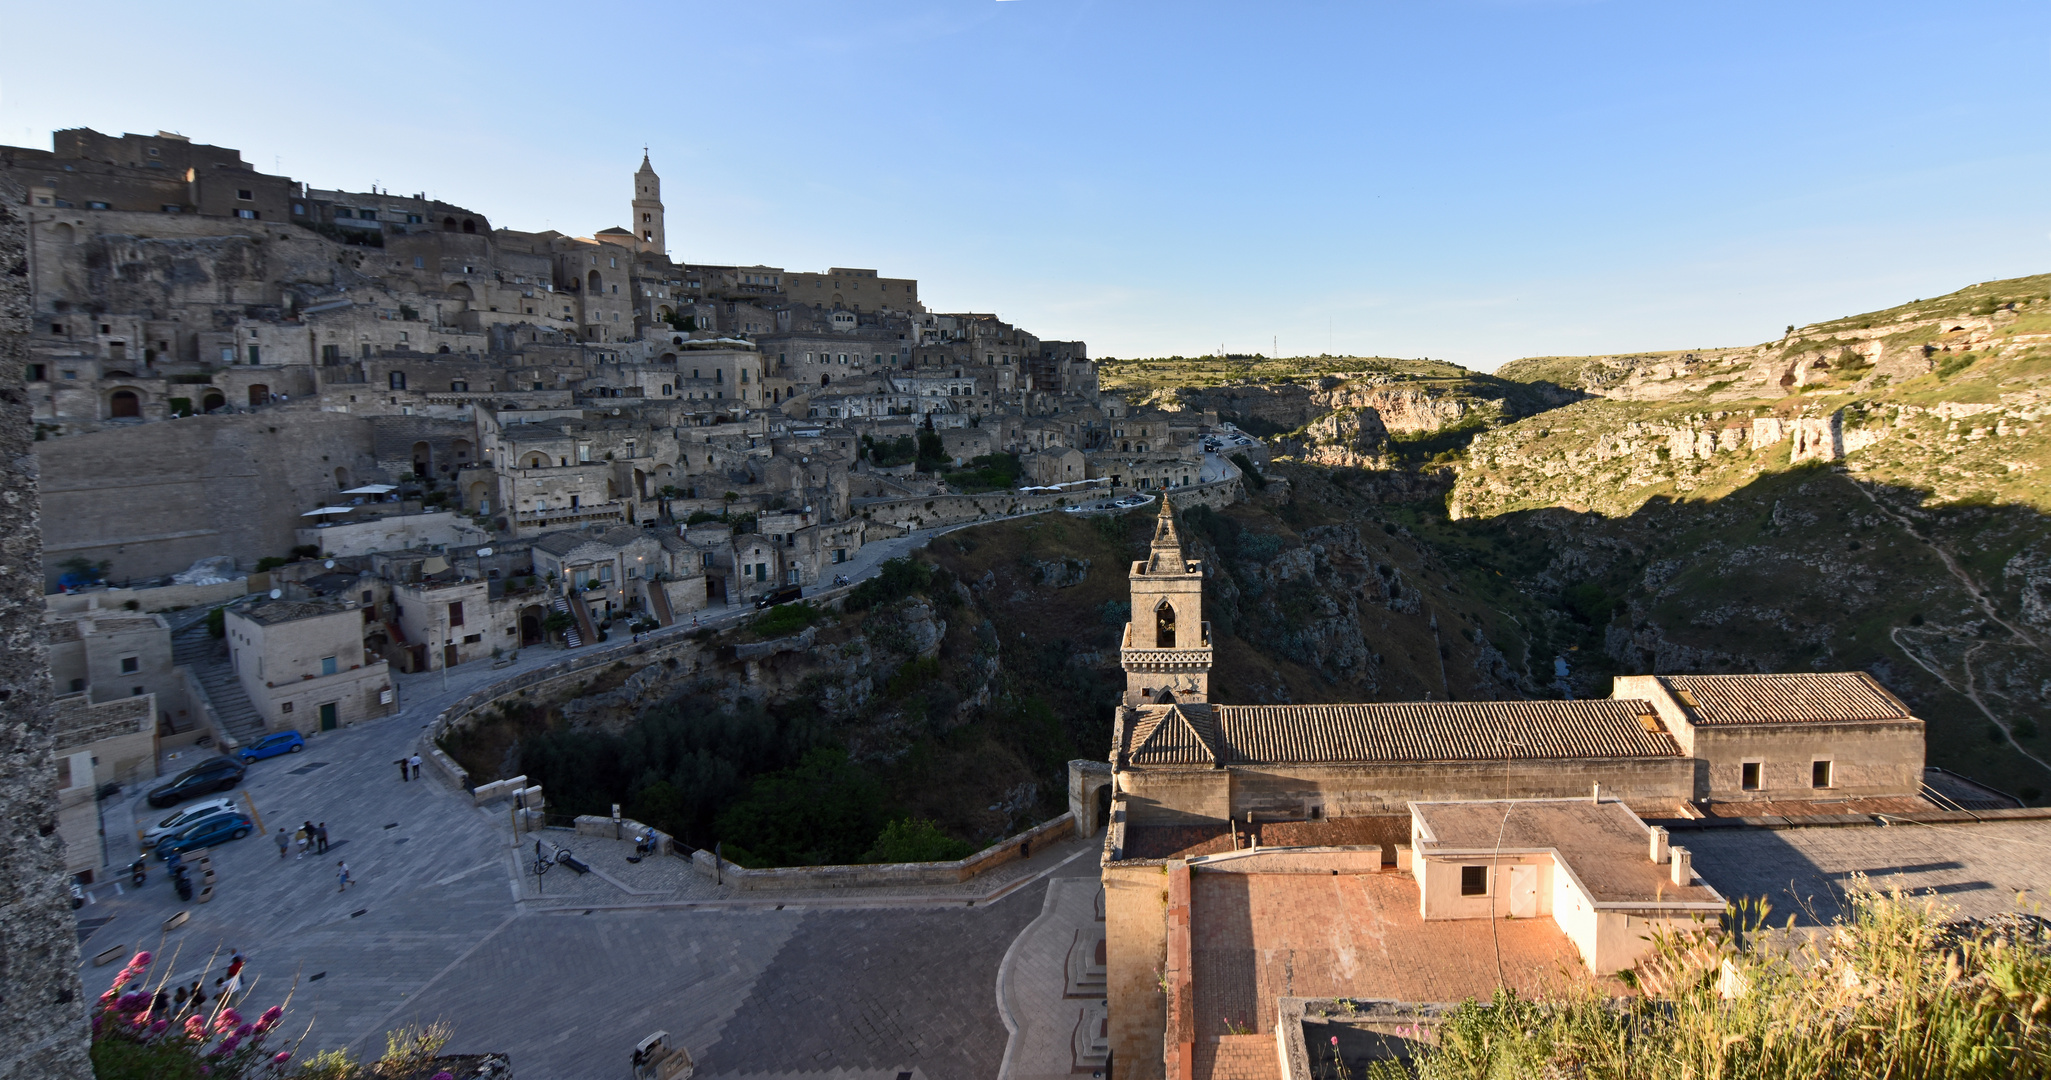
{"points": [[1411, 731], [1715, 700]]}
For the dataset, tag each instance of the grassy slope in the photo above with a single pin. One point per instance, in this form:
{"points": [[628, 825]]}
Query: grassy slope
{"points": [[1744, 562]]}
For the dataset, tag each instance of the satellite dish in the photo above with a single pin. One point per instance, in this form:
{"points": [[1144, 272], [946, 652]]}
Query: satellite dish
{"points": [[277, 594], [330, 564], [483, 553]]}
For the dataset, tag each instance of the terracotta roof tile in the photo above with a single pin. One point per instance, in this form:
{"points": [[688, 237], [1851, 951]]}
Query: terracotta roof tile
{"points": [[1396, 731], [1789, 698]]}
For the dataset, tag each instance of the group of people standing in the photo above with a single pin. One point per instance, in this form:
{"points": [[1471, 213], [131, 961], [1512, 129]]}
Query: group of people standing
{"points": [[315, 837]]}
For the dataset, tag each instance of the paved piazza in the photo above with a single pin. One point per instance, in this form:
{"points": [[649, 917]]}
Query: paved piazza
{"points": [[446, 922]]}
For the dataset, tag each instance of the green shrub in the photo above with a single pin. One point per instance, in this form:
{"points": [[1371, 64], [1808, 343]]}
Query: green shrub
{"points": [[909, 840], [824, 811], [787, 619], [1894, 989], [217, 623], [894, 580]]}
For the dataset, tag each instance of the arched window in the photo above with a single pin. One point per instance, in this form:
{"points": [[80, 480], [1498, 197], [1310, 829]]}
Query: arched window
{"points": [[212, 402], [536, 460], [593, 283], [448, 224], [825, 380], [64, 233], [124, 403], [469, 226], [1164, 625]]}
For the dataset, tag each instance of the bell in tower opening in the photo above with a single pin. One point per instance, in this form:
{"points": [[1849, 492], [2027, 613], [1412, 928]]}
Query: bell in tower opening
{"points": [[1166, 650]]}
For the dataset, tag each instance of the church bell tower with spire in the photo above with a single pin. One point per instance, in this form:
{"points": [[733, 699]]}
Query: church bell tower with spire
{"points": [[648, 208], [1166, 650]]}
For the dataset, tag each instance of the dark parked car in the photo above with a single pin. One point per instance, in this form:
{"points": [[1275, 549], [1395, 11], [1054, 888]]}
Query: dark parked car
{"points": [[214, 774], [205, 833], [781, 596]]}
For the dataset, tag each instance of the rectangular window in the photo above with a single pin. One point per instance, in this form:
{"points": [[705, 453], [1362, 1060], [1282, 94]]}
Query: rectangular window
{"points": [[419, 262], [227, 354], [456, 613], [253, 354], [64, 772], [245, 194], [247, 215], [327, 665], [1474, 881], [605, 572], [285, 708], [472, 639], [1749, 776], [1819, 774], [132, 664]]}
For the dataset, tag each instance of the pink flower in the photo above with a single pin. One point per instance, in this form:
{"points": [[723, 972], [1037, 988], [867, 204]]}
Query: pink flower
{"points": [[271, 1015], [196, 1027], [142, 960], [245, 1031], [159, 1027], [110, 995], [282, 1057], [1335, 1040], [229, 1044], [131, 1001]]}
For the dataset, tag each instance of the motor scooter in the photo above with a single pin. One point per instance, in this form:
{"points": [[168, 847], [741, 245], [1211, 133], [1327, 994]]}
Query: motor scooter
{"points": [[180, 877], [138, 872]]}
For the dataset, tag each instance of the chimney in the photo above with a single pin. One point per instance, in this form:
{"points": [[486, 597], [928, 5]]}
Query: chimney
{"points": [[1597, 796], [1659, 849], [1683, 872]]}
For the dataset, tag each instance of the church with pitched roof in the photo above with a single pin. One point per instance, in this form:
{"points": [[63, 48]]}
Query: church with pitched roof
{"points": [[1370, 792]]}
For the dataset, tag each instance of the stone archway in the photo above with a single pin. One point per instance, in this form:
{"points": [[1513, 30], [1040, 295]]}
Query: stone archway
{"points": [[1164, 625], [530, 625], [423, 459], [1091, 788], [341, 479], [124, 405], [480, 497], [212, 401]]}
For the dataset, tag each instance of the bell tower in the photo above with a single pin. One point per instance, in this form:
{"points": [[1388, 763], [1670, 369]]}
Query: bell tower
{"points": [[648, 208], [1166, 650]]}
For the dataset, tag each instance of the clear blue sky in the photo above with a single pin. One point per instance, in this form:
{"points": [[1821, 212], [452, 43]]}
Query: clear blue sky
{"points": [[1472, 181]]}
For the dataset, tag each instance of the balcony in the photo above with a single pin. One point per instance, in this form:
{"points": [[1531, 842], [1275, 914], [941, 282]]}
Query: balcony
{"points": [[611, 511], [1194, 658]]}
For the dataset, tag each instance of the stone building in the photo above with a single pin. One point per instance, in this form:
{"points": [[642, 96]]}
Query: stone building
{"points": [[99, 743], [1197, 787], [303, 663]]}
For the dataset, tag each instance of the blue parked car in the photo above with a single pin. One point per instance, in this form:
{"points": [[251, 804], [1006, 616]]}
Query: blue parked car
{"points": [[277, 742], [206, 833]]}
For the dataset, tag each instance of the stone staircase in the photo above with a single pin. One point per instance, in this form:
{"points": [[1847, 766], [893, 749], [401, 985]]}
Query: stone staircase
{"points": [[208, 661], [570, 636]]}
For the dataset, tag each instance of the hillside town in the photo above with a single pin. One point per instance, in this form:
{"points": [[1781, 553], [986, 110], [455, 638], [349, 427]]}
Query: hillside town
{"points": [[785, 557], [476, 439]]}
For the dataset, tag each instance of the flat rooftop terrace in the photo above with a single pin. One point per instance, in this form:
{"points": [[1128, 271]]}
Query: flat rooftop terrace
{"points": [[1258, 937]]}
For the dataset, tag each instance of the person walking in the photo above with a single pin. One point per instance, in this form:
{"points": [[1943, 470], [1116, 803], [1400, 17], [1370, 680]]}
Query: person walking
{"points": [[300, 839], [342, 874], [401, 763], [284, 842], [160, 1006], [320, 837], [415, 762]]}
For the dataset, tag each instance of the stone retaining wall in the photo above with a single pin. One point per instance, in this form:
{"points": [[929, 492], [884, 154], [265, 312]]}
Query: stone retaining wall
{"points": [[885, 875]]}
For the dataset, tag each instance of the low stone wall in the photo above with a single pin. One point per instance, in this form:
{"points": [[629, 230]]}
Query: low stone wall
{"points": [[936, 510], [159, 598], [885, 875], [595, 825]]}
